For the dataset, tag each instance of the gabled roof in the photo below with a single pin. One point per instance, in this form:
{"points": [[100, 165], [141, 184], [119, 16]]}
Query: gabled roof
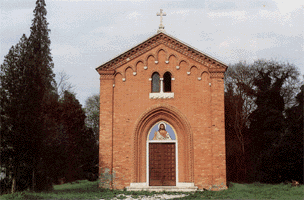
{"points": [[155, 40]]}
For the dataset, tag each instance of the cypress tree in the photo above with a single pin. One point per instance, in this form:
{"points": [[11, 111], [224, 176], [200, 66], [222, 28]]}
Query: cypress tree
{"points": [[15, 112], [42, 79], [26, 84]]}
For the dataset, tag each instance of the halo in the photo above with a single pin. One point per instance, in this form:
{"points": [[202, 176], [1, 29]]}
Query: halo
{"points": [[163, 124]]}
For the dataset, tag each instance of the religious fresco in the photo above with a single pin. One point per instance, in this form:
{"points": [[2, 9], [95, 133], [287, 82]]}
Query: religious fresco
{"points": [[162, 131]]}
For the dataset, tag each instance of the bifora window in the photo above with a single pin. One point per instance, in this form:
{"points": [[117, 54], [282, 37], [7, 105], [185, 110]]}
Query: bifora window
{"points": [[161, 88]]}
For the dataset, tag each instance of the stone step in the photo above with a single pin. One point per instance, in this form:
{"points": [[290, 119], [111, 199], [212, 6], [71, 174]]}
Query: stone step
{"points": [[163, 188]]}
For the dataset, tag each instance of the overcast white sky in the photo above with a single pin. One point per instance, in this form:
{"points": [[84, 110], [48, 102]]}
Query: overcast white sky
{"points": [[87, 33]]}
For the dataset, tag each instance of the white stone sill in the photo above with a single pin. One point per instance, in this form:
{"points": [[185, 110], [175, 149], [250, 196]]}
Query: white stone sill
{"points": [[161, 95]]}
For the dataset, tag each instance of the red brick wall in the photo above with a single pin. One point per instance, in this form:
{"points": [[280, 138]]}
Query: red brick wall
{"points": [[196, 112]]}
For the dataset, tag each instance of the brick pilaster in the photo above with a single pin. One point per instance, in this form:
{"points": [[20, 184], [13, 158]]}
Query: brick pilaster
{"points": [[218, 130], [106, 127]]}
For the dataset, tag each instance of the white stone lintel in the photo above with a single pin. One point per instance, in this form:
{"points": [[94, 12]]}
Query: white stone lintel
{"points": [[161, 95]]}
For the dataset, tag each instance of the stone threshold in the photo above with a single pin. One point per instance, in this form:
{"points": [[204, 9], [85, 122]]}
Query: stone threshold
{"points": [[181, 187]]}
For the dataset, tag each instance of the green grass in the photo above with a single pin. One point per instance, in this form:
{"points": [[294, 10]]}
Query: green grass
{"points": [[89, 190], [253, 191]]}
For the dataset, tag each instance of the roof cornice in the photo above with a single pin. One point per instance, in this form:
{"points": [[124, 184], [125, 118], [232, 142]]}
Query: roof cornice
{"points": [[169, 41]]}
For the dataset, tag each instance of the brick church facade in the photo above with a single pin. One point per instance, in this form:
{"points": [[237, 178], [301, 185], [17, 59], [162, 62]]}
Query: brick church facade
{"points": [[162, 118]]}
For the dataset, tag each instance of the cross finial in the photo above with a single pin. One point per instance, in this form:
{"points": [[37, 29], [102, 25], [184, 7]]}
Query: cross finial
{"points": [[161, 27]]}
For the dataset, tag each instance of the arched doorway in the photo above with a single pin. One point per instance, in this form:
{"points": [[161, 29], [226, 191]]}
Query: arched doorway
{"points": [[162, 159], [183, 147]]}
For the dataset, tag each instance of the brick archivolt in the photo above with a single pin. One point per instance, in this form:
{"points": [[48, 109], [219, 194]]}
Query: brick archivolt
{"points": [[163, 112]]}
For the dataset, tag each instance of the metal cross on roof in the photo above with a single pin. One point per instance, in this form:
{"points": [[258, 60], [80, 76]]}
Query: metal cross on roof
{"points": [[161, 27]]}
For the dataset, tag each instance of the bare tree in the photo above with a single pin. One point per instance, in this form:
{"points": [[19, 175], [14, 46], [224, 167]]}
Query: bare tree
{"points": [[236, 75], [62, 83]]}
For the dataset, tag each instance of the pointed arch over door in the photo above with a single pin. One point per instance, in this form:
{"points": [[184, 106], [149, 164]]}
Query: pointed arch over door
{"points": [[170, 114]]}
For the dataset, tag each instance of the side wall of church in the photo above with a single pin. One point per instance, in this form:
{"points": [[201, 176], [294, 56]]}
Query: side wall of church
{"points": [[201, 104]]}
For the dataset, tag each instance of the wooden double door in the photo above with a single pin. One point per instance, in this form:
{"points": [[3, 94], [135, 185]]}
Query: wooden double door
{"points": [[162, 166]]}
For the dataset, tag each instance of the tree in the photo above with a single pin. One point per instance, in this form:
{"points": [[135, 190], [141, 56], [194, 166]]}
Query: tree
{"points": [[15, 110], [42, 79], [238, 106], [62, 84], [71, 148], [243, 82], [92, 113], [289, 150], [267, 121], [26, 82]]}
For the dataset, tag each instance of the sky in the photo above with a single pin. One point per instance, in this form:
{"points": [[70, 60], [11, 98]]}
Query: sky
{"points": [[87, 33]]}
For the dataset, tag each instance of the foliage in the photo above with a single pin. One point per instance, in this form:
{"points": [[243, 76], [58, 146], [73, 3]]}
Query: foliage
{"points": [[26, 81], [267, 121], [71, 148], [43, 132], [92, 113], [90, 190], [238, 106], [288, 153], [257, 99]]}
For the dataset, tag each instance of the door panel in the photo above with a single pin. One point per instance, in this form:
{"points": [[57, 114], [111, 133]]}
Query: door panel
{"points": [[162, 164]]}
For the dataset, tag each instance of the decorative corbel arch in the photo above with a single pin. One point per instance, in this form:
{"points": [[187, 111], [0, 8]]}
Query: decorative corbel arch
{"points": [[200, 77], [116, 75], [139, 61], [173, 116], [174, 55], [129, 67], [179, 64], [158, 50], [205, 72], [192, 67], [147, 57]]}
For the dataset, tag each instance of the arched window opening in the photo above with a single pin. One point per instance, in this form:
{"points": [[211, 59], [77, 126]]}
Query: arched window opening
{"points": [[167, 82], [155, 82]]}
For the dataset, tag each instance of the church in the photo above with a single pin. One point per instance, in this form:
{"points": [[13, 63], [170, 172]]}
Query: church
{"points": [[162, 118]]}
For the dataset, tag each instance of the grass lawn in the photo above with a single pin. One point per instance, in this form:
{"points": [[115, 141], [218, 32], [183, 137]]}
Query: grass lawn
{"points": [[89, 190]]}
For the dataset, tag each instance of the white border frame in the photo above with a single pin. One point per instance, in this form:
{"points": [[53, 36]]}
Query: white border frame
{"points": [[161, 141]]}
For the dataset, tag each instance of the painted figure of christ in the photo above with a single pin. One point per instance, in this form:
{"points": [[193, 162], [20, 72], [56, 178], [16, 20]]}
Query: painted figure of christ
{"points": [[161, 134]]}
